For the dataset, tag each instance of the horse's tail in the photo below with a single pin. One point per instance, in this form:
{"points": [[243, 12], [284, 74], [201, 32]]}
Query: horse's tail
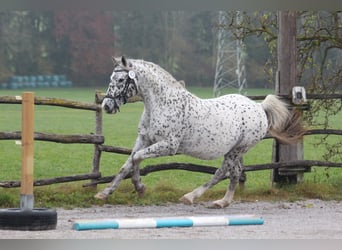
{"points": [[284, 125]]}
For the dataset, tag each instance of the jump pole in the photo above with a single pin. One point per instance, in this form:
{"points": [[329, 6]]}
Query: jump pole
{"points": [[191, 221]]}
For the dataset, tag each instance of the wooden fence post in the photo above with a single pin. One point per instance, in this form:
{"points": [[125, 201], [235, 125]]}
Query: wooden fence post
{"points": [[286, 80], [27, 145], [98, 131]]}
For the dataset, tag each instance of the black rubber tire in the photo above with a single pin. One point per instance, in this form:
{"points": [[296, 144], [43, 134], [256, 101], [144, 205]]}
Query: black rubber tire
{"points": [[32, 220]]}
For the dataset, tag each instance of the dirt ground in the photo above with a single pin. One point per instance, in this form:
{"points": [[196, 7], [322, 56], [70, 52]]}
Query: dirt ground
{"points": [[308, 219]]}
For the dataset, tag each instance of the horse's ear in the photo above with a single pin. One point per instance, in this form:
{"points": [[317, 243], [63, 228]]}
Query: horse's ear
{"points": [[124, 61], [182, 83], [115, 62]]}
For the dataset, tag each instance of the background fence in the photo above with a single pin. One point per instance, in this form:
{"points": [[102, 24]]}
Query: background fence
{"points": [[98, 140]]}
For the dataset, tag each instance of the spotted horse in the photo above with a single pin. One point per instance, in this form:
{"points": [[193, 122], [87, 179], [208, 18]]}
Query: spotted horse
{"points": [[176, 121]]}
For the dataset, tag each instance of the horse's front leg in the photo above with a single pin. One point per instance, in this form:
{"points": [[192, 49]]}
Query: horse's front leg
{"points": [[136, 179], [161, 148], [125, 170], [141, 143]]}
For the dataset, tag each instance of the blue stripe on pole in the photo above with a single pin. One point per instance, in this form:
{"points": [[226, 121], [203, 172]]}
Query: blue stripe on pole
{"points": [[177, 222], [96, 225], [245, 221]]}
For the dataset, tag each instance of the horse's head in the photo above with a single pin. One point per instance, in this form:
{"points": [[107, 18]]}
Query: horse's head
{"points": [[121, 87]]}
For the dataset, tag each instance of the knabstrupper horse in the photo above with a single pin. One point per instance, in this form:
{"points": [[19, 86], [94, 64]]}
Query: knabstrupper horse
{"points": [[176, 121]]}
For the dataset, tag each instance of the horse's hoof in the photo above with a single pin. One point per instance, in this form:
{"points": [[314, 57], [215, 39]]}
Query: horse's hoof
{"points": [[100, 196], [218, 204], [214, 206], [186, 200], [141, 191]]}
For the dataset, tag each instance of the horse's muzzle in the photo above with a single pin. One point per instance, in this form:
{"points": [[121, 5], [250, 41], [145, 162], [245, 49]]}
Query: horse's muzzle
{"points": [[110, 106]]}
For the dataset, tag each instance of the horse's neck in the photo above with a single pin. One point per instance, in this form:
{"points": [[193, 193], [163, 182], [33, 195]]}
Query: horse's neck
{"points": [[156, 83]]}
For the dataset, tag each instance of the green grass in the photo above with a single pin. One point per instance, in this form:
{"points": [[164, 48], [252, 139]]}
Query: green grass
{"points": [[53, 159]]}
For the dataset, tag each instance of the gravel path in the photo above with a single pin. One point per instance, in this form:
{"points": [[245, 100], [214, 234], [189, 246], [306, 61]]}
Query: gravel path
{"points": [[308, 219]]}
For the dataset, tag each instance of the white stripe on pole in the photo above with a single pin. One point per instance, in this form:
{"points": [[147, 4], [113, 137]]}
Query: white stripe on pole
{"points": [[137, 223], [210, 221]]}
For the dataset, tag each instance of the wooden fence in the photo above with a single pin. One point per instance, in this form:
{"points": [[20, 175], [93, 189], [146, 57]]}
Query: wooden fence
{"points": [[98, 139]]}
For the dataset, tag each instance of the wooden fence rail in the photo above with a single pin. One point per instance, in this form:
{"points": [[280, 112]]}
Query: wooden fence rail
{"points": [[59, 138], [128, 151], [211, 170], [97, 179], [81, 177], [98, 139], [52, 102], [100, 97], [308, 96]]}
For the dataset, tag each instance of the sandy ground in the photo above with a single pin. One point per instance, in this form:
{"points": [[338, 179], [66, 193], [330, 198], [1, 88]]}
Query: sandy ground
{"points": [[309, 219]]}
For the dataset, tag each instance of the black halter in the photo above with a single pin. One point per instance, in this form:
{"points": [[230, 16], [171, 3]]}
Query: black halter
{"points": [[123, 93]]}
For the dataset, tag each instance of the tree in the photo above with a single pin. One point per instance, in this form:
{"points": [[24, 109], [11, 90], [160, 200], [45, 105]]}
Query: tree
{"points": [[25, 39], [85, 44], [181, 42], [198, 55], [319, 50]]}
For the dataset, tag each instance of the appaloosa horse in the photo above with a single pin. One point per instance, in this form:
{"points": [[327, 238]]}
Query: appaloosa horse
{"points": [[176, 121]]}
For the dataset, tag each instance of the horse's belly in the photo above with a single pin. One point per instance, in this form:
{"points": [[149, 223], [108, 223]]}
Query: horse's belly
{"points": [[206, 148], [204, 154]]}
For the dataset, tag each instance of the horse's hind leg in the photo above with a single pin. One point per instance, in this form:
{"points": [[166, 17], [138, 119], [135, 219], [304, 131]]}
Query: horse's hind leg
{"points": [[232, 168], [235, 170], [219, 175]]}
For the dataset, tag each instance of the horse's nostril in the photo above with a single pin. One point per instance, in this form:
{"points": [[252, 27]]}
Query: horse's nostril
{"points": [[106, 107]]}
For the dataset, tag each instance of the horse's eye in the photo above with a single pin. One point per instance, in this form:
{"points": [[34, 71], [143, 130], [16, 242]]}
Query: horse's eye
{"points": [[121, 80]]}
